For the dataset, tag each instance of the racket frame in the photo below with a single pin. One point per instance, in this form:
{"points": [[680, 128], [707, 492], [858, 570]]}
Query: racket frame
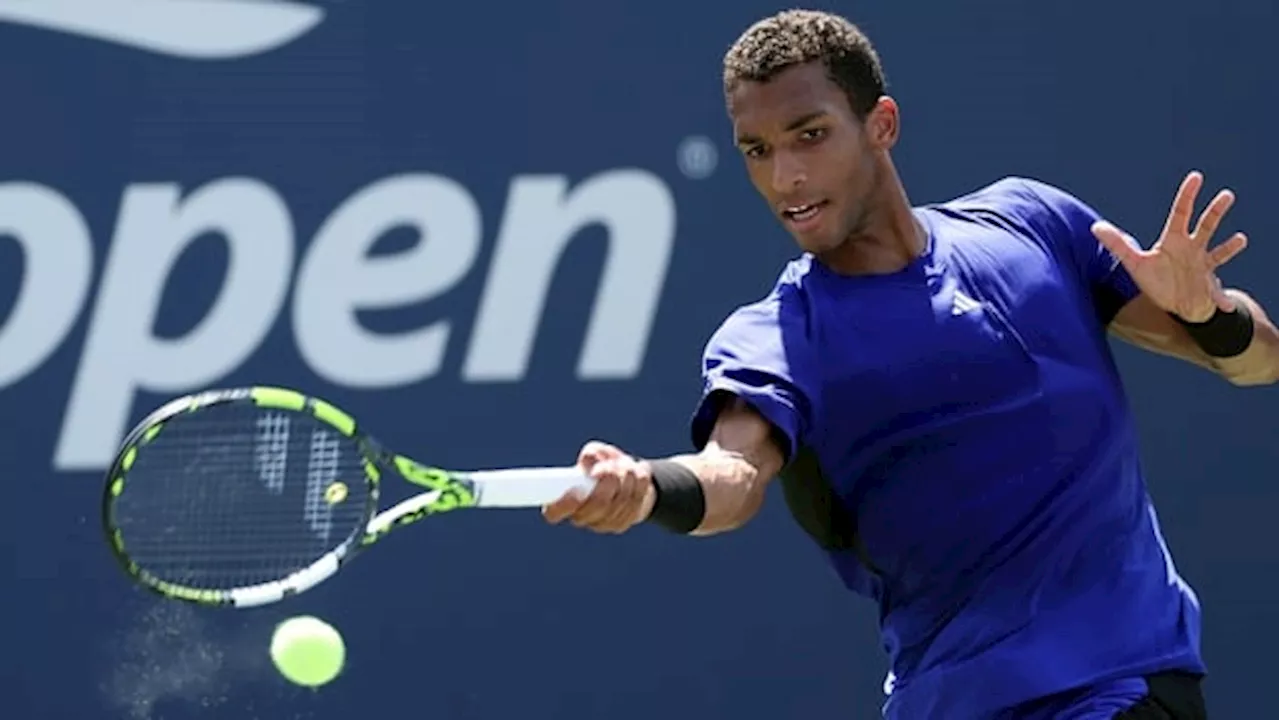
{"points": [[445, 491]]}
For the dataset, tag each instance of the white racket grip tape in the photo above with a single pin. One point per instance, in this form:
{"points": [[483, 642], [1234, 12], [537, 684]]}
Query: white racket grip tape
{"points": [[527, 487]]}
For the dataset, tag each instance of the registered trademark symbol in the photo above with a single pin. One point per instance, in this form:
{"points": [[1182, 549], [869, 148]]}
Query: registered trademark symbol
{"points": [[696, 156]]}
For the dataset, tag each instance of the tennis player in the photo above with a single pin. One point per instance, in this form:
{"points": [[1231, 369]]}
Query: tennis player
{"points": [[934, 387]]}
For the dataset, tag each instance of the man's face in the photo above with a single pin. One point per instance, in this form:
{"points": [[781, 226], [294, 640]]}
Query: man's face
{"points": [[806, 153]]}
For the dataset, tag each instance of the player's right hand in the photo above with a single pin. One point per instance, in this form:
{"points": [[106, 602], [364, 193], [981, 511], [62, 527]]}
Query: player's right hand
{"points": [[622, 497]]}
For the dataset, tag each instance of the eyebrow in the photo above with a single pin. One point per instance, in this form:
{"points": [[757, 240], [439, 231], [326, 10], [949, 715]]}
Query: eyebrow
{"points": [[793, 125]]}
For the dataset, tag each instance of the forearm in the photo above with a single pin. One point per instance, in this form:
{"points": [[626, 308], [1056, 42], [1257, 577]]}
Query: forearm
{"points": [[1258, 364], [733, 488], [1147, 326], [727, 478]]}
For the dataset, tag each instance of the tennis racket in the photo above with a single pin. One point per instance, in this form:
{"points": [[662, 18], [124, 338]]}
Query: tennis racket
{"points": [[246, 496]]}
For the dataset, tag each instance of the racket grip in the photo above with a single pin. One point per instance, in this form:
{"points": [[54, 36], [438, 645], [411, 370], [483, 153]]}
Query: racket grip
{"points": [[527, 487]]}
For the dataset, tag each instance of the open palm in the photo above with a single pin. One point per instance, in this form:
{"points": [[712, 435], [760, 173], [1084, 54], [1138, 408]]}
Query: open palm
{"points": [[1179, 272]]}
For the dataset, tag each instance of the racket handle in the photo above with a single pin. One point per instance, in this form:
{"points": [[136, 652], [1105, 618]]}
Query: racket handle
{"points": [[527, 487]]}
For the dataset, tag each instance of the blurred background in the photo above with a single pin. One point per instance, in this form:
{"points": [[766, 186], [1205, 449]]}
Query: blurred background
{"points": [[493, 231]]}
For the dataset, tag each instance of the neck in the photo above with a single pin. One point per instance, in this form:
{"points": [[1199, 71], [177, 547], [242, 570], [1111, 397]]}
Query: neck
{"points": [[888, 238]]}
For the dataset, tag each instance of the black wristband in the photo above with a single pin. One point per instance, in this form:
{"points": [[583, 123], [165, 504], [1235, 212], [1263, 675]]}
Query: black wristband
{"points": [[680, 504], [1224, 335]]}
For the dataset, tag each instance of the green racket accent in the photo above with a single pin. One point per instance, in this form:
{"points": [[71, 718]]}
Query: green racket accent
{"points": [[151, 433], [455, 492], [278, 398], [335, 417], [293, 400]]}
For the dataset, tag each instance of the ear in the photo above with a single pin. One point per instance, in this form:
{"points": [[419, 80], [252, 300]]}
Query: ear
{"points": [[883, 123]]}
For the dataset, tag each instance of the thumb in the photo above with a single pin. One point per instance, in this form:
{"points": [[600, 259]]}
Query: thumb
{"points": [[1124, 247]]}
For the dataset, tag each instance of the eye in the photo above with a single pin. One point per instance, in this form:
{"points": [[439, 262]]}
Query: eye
{"points": [[754, 152], [813, 134]]}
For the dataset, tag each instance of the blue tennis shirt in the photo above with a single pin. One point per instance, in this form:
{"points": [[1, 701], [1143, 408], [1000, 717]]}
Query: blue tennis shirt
{"points": [[968, 416]]}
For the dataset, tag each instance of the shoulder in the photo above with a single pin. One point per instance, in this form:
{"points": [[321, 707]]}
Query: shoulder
{"points": [[784, 304], [1025, 205], [764, 326], [1017, 197]]}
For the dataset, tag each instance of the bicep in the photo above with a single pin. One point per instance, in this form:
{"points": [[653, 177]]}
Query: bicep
{"points": [[742, 431]]}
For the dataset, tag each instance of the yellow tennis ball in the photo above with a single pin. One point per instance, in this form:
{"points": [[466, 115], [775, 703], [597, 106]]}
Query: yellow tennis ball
{"points": [[307, 651]]}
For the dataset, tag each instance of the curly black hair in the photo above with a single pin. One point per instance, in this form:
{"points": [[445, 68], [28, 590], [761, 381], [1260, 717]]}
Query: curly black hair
{"points": [[796, 37]]}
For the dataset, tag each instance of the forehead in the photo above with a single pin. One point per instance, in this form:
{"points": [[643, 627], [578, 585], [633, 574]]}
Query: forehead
{"points": [[762, 108]]}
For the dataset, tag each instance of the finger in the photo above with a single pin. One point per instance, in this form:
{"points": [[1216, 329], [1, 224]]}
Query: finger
{"points": [[602, 497], [1223, 254], [1213, 215], [1120, 243], [1184, 203], [626, 506], [1224, 301], [565, 506], [595, 451]]}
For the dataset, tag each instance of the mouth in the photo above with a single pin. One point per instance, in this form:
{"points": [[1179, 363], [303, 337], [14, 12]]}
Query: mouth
{"points": [[803, 215]]}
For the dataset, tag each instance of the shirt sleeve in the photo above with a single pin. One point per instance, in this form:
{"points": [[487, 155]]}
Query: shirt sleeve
{"points": [[1066, 223], [754, 356]]}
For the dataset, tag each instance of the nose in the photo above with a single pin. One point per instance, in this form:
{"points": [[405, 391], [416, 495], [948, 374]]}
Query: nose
{"points": [[788, 172]]}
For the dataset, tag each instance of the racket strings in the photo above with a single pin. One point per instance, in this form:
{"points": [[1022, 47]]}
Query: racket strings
{"points": [[233, 496]]}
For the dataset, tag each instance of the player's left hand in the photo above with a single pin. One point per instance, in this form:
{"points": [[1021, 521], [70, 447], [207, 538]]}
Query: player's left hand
{"points": [[1179, 273]]}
